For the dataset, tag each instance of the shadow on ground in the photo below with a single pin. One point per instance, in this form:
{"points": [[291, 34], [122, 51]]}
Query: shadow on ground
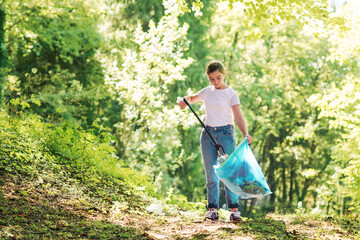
{"points": [[23, 220]]}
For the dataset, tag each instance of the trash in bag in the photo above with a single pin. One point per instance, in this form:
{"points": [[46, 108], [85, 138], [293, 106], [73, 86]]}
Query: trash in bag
{"points": [[241, 173]]}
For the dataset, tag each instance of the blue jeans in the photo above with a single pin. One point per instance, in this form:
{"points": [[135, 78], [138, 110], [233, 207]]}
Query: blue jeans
{"points": [[225, 136]]}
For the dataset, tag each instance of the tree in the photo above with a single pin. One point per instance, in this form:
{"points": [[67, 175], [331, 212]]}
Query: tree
{"points": [[143, 72], [3, 58], [265, 14], [340, 103], [51, 47]]}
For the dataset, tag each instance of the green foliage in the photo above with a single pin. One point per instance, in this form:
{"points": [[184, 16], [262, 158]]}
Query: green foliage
{"points": [[51, 48], [31, 148], [341, 106], [20, 153], [340, 103], [344, 30], [188, 177], [143, 74], [182, 202], [263, 15], [129, 14]]}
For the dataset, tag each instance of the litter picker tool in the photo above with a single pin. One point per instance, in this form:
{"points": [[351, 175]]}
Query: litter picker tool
{"points": [[217, 146], [240, 171]]}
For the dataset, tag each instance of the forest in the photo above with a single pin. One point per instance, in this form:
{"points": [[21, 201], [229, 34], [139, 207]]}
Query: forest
{"points": [[90, 87]]}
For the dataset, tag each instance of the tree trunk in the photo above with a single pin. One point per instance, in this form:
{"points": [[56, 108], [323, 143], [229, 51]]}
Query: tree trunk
{"points": [[304, 191], [283, 176], [271, 180], [3, 60], [297, 189], [292, 190], [270, 172], [233, 49]]}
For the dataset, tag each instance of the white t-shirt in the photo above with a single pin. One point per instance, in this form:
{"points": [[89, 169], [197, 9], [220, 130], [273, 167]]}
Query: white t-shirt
{"points": [[218, 103]]}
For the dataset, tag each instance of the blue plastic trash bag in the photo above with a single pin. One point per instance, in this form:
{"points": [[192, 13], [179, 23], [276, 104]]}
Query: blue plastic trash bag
{"points": [[241, 173]]}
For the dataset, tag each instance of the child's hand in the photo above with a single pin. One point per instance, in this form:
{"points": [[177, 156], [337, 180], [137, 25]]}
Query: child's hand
{"points": [[181, 102], [249, 138]]}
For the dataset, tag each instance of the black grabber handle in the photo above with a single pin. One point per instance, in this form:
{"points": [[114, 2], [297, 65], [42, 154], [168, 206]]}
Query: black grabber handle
{"points": [[217, 146]]}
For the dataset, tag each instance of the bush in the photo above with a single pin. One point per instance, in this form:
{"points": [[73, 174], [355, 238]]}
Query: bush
{"points": [[29, 147]]}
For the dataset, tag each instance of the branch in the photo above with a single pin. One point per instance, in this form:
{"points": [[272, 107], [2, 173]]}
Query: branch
{"points": [[20, 20]]}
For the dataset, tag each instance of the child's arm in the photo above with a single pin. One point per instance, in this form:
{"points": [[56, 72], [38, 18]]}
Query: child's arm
{"points": [[190, 99], [240, 122]]}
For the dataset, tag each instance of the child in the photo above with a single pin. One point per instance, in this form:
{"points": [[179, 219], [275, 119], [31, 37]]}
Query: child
{"points": [[222, 107]]}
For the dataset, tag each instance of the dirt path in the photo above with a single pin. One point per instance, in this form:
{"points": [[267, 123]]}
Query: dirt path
{"points": [[29, 212]]}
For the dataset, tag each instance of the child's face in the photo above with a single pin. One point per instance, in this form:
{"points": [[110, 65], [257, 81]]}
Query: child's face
{"points": [[216, 78]]}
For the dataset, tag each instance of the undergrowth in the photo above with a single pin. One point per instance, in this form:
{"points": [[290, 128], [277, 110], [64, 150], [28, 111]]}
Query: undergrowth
{"points": [[29, 147], [42, 164], [50, 155]]}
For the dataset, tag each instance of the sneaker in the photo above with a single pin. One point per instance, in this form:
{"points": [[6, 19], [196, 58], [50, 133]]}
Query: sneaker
{"points": [[212, 215], [235, 217]]}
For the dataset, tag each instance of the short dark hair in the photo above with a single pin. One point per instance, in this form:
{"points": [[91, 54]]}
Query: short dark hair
{"points": [[214, 66]]}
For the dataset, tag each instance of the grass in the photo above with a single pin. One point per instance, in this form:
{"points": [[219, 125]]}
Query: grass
{"points": [[36, 213], [70, 211]]}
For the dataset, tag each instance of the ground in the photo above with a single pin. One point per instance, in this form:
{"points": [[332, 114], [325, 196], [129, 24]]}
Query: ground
{"points": [[66, 212]]}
